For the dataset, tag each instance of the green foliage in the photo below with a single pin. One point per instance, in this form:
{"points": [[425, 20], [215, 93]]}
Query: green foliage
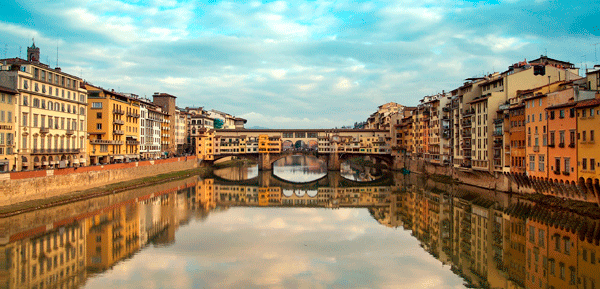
{"points": [[218, 123]]}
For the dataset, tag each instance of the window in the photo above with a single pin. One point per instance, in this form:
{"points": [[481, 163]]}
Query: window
{"points": [[562, 270], [542, 160], [541, 238], [552, 114], [592, 164], [591, 112], [532, 163], [591, 135], [25, 103], [583, 113], [24, 122], [584, 164], [583, 138], [531, 234], [567, 165], [98, 115], [572, 112], [567, 246], [96, 104], [98, 126]]}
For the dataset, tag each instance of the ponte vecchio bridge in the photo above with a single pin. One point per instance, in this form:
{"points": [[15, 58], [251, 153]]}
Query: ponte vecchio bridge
{"points": [[268, 145]]}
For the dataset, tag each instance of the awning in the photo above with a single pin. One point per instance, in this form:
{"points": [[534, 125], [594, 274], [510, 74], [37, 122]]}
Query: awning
{"points": [[82, 161], [37, 164], [76, 161], [118, 157], [44, 163]]}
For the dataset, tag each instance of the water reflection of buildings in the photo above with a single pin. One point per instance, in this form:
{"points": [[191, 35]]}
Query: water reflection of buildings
{"points": [[492, 241], [494, 245], [211, 194]]}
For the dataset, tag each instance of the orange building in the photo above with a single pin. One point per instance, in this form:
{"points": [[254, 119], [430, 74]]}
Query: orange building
{"points": [[562, 151], [516, 120]]}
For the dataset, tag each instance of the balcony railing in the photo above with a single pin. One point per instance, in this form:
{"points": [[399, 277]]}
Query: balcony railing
{"points": [[561, 145], [536, 149], [44, 130], [133, 142], [106, 141], [118, 131], [118, 121], [70, 132], [118, 111], [131, 114], [571, 145]]}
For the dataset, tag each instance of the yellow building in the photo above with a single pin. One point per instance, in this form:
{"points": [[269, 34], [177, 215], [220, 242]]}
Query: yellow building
{"points": [[205, 144], [113, 125], [165, 137], [8, 102], [588, 155], [50, 110], [269, 144]]}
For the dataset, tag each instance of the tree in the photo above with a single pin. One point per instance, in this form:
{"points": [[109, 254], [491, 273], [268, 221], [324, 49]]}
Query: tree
{"points": [[218, 123]]}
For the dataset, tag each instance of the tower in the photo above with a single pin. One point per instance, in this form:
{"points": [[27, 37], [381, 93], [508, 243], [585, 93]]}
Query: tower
{"points": [[33, 53]]}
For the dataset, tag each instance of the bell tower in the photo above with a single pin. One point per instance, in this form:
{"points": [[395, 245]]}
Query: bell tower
{"points": [[33, 53]]}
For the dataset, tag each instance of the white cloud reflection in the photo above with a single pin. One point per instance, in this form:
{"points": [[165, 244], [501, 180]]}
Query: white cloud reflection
{"points": [[283, 248]]}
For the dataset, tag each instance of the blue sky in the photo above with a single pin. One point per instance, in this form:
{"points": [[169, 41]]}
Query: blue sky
{"points": [[297, 64]]}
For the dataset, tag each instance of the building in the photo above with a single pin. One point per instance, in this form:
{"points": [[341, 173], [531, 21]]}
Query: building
{"points": [[51, 130], [588, 154], [167, 104], [151, 118], [8, 126], [113, 125], [593, 78], [381, 118], [562, 131]]}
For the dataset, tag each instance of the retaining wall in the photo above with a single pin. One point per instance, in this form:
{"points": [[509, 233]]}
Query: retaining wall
{"points": [[35, 185]]}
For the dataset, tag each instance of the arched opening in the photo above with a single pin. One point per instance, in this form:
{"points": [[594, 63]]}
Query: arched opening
{"points": [[24, 164], [300, 145], [36, 163], [287, 145]]}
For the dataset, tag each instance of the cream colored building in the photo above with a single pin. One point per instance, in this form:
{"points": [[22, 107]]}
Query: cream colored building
{"points": [[51, 113], [8, 125]]}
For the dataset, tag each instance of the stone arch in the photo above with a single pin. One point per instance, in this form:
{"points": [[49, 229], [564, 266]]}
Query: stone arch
{"points": [[24, 163], [36, 162], [287, 145], [300, 144]]}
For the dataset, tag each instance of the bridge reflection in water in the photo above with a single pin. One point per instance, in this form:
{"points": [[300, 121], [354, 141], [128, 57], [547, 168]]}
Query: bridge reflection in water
{"points": [[491, 239]]}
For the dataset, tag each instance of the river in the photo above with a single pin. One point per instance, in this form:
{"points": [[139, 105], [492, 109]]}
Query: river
{"points": [[300, 226]]}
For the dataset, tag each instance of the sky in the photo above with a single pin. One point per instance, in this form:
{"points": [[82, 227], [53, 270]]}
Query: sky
{"points": [[296, 64]]}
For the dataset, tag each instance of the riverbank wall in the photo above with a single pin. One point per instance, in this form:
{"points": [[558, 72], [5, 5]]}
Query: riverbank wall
{"points": [[21, 187], [506, 182]]}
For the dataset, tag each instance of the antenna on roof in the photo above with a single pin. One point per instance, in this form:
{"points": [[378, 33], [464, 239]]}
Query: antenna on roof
{"points": [[56, 52], [546, 52], [20, 48], [595, 52]]}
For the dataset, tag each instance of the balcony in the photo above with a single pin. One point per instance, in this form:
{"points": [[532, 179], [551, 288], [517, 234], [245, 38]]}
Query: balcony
{"points": [[44, 130], [106, 141], [565, 173], [557, 172], [536, 149], [133, 142], [118, 131], [571, 145], [497, 133], [466, 123], [131, 114], [70, 132], [551, 145], [118, 111], [118, 121], [561, 145], [498, 120], [445, 109]]}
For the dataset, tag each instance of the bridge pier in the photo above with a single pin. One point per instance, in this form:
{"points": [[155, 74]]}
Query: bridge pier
{"points": [[333, 162], [264, 162]]}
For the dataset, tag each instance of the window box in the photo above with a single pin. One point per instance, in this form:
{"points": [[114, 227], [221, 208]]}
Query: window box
{"points": [[561, 145]]}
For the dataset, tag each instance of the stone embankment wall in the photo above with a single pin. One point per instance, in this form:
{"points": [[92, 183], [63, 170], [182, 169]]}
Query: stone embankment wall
{"points": [[28, 186], [506, 182]]}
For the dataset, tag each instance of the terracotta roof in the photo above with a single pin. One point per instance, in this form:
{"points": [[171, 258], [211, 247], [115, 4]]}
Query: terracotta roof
{"points": [[561, 105], [588, 103]]}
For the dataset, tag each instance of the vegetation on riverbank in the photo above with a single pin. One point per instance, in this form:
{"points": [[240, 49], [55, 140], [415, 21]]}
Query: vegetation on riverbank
{"points": [[100, 191], [234, 163]]}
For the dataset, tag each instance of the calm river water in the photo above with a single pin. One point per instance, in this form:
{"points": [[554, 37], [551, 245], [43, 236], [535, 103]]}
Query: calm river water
{"points": [[300, 226]]}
